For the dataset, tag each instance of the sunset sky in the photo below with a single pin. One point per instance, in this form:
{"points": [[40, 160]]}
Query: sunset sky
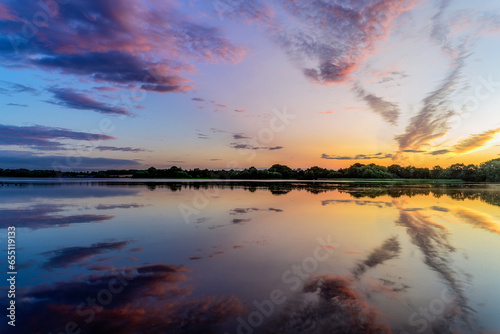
{"points": [[88, 85]]}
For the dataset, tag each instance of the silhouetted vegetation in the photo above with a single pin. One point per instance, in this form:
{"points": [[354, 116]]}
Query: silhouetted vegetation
{"points": [[485, 172]]}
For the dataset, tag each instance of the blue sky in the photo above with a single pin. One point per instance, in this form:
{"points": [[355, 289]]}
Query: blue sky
{"points": [[230, 83]]}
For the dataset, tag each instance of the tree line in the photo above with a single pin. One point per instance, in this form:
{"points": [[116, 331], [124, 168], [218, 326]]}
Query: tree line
{"points": [[486, 172]]}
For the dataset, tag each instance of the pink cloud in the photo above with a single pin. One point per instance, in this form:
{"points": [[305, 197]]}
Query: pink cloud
{"points": [[150, 43]]}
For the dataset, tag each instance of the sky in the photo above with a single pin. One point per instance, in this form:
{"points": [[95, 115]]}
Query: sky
{"points": [[88, 85]]}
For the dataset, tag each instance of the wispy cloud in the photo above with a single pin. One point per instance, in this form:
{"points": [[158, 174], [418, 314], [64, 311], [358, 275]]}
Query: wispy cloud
{"points": [[251, 147], [43, 137], [357, 157], [122, 149], [70, 98], [475, 141], [388, 110], [332, 39], [240, 136], [13, 87], [469, 144], [201, 135], [20, 159], [439, 152], [17, 105], [451, 29], [431, 122]]}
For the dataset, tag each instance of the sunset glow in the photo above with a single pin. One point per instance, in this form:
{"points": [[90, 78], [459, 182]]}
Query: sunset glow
{"points": [[219, 84]]}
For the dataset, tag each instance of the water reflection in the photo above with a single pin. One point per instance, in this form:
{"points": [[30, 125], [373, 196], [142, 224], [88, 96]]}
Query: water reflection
{"points": [[432, 240], [145, 299], [44, 216], [389, 250], [69, 256], [338, 309], [403, 250]]}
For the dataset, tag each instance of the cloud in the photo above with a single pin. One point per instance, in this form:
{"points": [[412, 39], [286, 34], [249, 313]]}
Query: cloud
{"points": [[42, 137], [20, 159], [469, 144], [326, 112], [251, 147], [150, 45], [248, 11], [431, 122], [388, 110], [451, 29], [413, 151], [439, 152], [16, 88], [17, 105], [68, 256], [357, 157], [203, 136], [330, 40], [123, 149], [69, 98], [391, 76], [197, 99], [239, 110], [240, 136], [440, 30], [475, 141], [44, 216]]}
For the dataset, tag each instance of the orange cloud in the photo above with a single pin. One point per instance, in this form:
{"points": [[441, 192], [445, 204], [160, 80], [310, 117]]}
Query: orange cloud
{"points": [[475, 141]]}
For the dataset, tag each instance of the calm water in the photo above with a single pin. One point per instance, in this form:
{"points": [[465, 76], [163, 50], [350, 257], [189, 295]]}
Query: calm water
{"points": [[252, 257]]}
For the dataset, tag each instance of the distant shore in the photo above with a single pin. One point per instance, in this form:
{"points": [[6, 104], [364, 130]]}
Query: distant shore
{"points": [[486, 172]]}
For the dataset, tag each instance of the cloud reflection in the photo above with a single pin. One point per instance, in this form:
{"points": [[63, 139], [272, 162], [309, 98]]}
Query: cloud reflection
{"points": [[66, 257], [44, 216], [338, 309], [432, 240], [146, 299]]}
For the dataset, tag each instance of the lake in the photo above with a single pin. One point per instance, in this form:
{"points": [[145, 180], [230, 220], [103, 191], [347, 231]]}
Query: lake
{"points": [[154, 256]]}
